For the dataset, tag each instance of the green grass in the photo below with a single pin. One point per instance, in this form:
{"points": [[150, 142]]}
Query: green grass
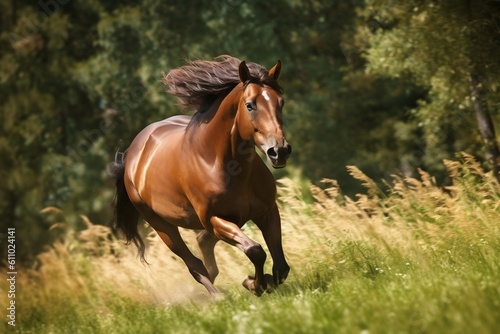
{"points": [[385, 294], [418, 260]]}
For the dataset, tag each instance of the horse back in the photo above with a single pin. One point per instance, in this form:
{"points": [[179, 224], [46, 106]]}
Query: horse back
{"points": [[149, 140]]}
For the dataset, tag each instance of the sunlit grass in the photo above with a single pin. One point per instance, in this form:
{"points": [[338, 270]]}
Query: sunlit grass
{"points": [[415, 258]]}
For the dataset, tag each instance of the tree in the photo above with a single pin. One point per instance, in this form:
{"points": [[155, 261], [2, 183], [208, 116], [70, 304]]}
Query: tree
{"points": [[79, 80], [369, 83], [450, 49], [41, 110]]}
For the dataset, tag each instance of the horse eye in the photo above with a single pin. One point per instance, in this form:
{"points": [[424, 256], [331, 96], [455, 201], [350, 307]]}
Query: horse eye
{"points": [[249, 106]]}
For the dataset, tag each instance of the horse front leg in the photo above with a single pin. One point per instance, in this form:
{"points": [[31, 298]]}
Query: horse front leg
{"points": [[232, 234], [270, 225]]}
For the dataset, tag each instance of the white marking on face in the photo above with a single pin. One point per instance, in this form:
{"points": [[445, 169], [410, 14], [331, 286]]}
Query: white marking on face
{"points": [[266, 96]]}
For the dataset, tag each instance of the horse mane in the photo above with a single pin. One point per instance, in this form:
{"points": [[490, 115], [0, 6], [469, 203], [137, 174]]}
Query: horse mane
{"points": [[200, 83]]}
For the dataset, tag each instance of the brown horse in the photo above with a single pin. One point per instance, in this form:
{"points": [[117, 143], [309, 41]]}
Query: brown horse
{"points": [[203, 172]]}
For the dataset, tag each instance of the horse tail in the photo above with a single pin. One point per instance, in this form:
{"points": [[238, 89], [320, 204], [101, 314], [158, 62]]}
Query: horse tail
{"points": [[126, 215]]}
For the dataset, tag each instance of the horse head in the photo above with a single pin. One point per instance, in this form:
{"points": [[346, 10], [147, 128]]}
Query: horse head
{"points": [[259, 115]]}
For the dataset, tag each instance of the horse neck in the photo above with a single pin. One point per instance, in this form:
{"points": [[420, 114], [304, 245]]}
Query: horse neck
{"points": [[224, 133]]}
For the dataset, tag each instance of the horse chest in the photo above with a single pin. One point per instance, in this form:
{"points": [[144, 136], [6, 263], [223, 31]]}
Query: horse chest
{"points": [[239, 203]]}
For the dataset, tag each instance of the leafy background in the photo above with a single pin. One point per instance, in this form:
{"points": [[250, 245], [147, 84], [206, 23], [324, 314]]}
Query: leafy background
{"points": [[388, 86]]}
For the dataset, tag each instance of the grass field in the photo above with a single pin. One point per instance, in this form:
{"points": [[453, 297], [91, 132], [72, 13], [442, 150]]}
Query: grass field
{"points": [[413, 259]]}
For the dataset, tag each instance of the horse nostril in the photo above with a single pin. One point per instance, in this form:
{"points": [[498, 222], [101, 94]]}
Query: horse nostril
{"points": [[272, 153], [289, 149]]}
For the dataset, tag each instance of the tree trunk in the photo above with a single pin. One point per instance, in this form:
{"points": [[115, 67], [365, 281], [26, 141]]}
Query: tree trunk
{"points": [[485, 124]]}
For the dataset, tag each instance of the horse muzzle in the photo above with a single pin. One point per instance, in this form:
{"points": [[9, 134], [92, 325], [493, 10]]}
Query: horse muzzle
{"points": [[278, 155]]}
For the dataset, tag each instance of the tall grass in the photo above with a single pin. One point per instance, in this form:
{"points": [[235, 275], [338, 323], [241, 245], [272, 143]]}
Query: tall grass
{"points": [[412, 258]]}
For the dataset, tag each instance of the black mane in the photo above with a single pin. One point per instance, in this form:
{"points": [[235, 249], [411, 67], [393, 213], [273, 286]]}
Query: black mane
{"points": [[200, 83]]}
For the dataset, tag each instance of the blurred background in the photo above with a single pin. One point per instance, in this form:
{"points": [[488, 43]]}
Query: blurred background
{"points": [[388, 86]]}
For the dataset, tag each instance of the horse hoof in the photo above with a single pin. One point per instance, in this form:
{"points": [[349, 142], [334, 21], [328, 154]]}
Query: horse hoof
{"points": [[270, 283], [249, 284]]}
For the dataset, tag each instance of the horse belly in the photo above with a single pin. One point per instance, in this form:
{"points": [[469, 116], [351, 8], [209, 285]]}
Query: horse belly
{"points": [[179, 215]]}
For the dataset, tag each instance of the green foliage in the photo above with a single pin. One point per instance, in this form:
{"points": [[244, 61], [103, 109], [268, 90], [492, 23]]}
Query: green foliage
{"points": [[441, 46], [383, 85]]}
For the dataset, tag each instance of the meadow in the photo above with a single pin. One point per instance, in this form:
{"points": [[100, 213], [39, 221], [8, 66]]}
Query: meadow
{"points": [[410, 258]]}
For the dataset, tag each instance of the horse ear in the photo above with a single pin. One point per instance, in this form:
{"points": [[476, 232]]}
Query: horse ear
{"points": [[244, 72], [275, 70]]}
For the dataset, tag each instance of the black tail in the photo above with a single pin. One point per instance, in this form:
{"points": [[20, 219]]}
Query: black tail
{"points": [[126, 215]]}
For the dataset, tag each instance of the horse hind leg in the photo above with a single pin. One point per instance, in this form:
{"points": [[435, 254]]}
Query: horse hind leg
{"points": [[172, 238], [207, 242]]}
